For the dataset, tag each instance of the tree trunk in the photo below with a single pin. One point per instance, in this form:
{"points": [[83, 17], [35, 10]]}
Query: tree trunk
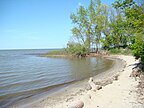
{"points": [[96, 47]]}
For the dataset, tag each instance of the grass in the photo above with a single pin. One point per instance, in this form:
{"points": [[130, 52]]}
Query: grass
{"points": [[120, 51], [61, 52], [57, 52]]}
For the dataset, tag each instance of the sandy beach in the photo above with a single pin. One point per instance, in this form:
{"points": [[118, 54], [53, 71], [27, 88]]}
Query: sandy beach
{"points": [[118, 90]]}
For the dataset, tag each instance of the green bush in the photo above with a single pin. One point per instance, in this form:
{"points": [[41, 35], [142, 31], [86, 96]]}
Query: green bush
{"points": [[138, 49], [57, 52], [114, 51], [76, 49]]}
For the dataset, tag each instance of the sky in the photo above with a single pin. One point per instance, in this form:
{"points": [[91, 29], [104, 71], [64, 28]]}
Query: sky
{"points": [[37, 24]]}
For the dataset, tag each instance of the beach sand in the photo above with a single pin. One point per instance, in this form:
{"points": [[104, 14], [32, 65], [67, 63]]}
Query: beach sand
{"points": [[118, 89]]}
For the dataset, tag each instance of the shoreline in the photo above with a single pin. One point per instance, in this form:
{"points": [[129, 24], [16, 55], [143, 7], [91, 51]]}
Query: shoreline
{"points": [[80, 89]]}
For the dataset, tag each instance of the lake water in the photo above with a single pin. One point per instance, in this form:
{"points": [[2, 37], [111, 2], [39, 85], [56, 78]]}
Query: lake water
{"points": [[24, 74]]}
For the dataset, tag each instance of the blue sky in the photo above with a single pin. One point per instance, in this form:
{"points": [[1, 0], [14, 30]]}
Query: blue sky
{"points": [[36, 24]]}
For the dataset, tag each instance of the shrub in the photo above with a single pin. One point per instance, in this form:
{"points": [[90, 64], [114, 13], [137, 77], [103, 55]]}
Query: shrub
{"points": [[114, 51], [76, 49], [57, 52]]}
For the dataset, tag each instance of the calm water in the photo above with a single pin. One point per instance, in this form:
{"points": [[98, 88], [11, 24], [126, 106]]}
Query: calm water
{"points": [[23, 73]]}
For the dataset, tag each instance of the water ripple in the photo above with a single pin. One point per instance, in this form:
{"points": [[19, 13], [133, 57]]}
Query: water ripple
{"points": [[23, 73]]}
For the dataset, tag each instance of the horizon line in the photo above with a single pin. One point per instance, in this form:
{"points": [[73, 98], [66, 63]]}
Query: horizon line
{"points": [[29, 48]]}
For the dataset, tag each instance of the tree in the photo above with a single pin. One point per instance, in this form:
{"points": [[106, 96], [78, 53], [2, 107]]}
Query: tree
{"points": [[98, 19], [97, 25], [106, 40], [81, 30], [89, 24], [134, 14]]}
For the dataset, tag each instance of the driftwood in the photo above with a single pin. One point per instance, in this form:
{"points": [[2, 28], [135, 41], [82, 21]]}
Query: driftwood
{"points": [[93, 86]]}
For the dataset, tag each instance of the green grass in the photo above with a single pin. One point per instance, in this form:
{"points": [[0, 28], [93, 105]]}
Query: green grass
{"points": [[56, 52], [120, 51]]}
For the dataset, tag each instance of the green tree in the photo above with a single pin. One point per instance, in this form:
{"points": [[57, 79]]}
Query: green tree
{"points": [[98, 19], [134, 15], [107, 39], [81, 30], [89, 24], [117, 26]]}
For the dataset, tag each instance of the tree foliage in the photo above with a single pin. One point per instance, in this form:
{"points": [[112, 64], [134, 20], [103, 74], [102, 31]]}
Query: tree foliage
{"points": [[76, 49], [134, 16], [81, 30], [99, 26], [89, 23]]}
